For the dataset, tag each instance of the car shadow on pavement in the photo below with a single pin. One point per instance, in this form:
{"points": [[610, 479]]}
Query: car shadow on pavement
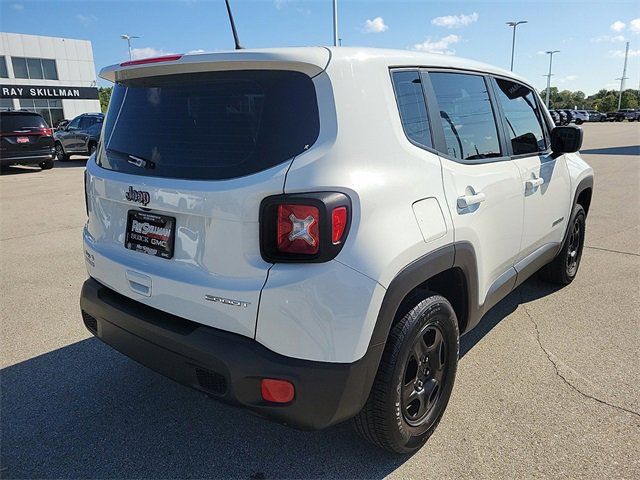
{"points": [[73, 162], [86, 411], [530, 290], [628, 150], [18, 170]]}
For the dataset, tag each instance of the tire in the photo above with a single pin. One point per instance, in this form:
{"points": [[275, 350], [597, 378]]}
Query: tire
{"points": [[564, 267], [92, 148], [60, 155], [578, 122], [407, 399], [46, 165]]}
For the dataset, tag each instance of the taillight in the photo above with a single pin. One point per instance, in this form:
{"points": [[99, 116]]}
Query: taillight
{"points": [[298, 227], [338, 224], [47, 132], [309, 227]]}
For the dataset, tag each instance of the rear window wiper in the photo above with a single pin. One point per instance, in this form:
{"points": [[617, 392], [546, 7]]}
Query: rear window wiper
{"points": [[134, 159], [483, 155]]}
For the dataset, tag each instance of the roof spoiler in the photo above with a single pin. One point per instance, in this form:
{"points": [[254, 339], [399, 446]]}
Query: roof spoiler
{"points": [[310, 61]]}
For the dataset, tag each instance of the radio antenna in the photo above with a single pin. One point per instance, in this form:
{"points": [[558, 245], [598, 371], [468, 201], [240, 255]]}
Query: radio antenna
{"points": [[233, 27]]}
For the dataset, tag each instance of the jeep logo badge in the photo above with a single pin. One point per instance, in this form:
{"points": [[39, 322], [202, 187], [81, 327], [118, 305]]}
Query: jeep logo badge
{"points": [[137, 196]]}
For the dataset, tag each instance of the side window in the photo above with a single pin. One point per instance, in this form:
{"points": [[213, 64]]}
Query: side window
{"points": [[73, 125], [412, 106], [86, 122], [522, 117], [467, 116]]}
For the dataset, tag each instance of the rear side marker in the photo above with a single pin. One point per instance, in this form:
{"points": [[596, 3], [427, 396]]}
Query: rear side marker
{"points": [[277, 391]]}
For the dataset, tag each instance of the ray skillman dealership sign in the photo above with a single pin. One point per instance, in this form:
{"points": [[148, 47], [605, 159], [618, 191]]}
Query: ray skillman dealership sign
{"points": [[44, 91]]}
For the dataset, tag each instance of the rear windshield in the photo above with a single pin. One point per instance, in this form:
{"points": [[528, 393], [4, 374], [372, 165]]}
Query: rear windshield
{"points": [[212, 125], [11, 122]]}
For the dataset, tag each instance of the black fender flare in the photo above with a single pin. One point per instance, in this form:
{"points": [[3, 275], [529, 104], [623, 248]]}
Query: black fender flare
{"points": [[584, 184], [461, 255]]}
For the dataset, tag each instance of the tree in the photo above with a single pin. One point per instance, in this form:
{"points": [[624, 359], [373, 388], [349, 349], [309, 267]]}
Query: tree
{"points": [[104, 94], [608, 103], [629, 99]]}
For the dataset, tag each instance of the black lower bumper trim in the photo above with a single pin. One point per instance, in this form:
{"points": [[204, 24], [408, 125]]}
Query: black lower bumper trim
{"points": [[226, 365], [35, 159]]}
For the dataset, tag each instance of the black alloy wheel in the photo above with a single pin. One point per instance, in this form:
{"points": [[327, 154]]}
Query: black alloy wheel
{"points": [[424, 373]]}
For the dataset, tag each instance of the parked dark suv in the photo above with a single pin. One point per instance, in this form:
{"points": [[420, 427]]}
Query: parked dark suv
{"points": [[79, 137], [25, 139]]}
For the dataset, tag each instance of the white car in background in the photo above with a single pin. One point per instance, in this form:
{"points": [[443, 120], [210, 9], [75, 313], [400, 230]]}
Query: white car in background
{"points": [[580, 116]]}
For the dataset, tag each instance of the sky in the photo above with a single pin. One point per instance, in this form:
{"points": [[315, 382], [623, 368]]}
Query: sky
{"points": [[590, 35]]}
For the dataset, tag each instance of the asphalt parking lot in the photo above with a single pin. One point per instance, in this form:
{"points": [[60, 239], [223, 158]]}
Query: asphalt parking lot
{"points": [[548, 385]]}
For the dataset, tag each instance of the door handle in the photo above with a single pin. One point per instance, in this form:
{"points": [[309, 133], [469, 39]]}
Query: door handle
{"points": [[467, 201], [534, 183]]}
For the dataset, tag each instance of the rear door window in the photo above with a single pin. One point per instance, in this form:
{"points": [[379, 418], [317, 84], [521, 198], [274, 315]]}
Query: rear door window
{"points": [[213, 125], [522, 117], [466, 115], [411, 104]]}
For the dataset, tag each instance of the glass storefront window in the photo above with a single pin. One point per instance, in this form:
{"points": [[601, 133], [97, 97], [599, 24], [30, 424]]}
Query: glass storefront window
{"points": [[6, 104], [20, 67], [4, 73], [34, 65], [36, 68], [50, 70], [51, 110]]}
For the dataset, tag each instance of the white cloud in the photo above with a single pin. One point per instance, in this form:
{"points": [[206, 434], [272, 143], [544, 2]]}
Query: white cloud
{"points": [[455, 21], [634, 25], [198, 50], [541, 52], [18, 7], [376, 25], [281, 4], [608, 38], [617, 26], [147, 52], [438, 46], [620, 53], [568, 78], [85, 20]]}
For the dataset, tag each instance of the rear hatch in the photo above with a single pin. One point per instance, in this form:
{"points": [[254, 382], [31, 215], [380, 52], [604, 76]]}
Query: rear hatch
{"points": [[24, 135], [175, 191]]}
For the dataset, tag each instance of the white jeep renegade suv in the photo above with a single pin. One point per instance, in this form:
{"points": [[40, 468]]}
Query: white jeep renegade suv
{"points": [[306, 232]]}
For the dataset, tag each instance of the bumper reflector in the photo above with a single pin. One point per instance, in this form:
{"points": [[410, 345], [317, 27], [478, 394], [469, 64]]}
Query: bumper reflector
{"points": [[277, 391]]}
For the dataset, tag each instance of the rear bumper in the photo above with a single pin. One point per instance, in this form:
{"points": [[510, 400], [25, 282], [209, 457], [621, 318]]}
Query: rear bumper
{"points": [[35, 159], [226, 365]]}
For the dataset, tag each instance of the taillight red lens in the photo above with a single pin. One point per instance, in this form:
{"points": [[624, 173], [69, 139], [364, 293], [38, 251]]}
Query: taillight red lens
{"points": [[338, 224], [298, 229], [47, 132]]}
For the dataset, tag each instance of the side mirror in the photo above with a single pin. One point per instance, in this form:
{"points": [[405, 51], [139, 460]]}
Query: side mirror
{"points": [[567, 139]]}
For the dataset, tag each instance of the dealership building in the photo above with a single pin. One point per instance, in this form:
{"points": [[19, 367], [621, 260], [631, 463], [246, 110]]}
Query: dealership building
{"points": [[55, 77]]}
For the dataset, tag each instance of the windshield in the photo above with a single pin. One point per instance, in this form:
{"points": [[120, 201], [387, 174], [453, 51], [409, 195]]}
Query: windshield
{"points": [[213, 125]]}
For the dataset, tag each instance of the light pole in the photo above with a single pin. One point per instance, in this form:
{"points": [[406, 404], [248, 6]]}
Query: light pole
{"points": [[336, 40], [513, 42], [550, 53], [624, 76], [128, 38]]}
